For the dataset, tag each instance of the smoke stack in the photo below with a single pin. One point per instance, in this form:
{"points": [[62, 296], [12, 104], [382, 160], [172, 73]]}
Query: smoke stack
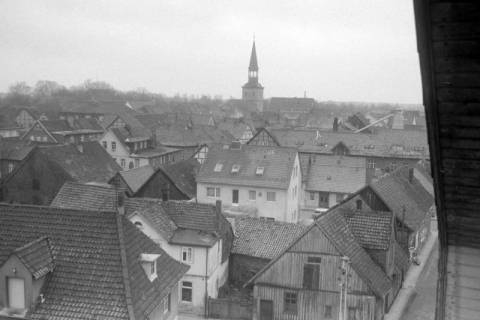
{"points": [[410, 175]]}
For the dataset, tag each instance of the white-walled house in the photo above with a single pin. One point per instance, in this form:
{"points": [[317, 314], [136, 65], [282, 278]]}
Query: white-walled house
{"points": [[133, 148], [195, 234], [259, 181]]}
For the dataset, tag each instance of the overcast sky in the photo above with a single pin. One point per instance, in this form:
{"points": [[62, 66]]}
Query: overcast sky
{"points": [[350, 50]]}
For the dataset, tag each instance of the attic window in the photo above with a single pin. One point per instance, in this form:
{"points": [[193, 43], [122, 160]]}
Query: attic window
{"points": [[149, 264], [235, 168], [218, 167], [259, 171]]}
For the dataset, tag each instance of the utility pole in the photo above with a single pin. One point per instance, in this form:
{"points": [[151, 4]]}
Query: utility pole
{"points": [[345, 274]]}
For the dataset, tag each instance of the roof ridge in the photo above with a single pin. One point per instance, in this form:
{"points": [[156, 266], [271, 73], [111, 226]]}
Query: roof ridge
{"points": [[44, 207], [124, 265], [29, 244]]}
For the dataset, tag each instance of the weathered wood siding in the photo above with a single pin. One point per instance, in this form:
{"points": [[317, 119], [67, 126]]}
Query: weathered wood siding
{"points": [[312, 304], [448, 34]]}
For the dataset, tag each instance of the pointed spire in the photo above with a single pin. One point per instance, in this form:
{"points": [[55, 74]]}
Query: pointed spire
{"points": [[253, 59]]}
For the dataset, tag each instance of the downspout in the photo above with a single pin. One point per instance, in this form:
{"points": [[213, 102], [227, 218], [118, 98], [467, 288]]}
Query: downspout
{"points": [[206, 285]]}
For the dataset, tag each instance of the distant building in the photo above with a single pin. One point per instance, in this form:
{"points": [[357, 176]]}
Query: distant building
{"points": [[195, 234], [252, 91], [174, 181], [257, 181], [58, 263], [12, 153], [37, 179]]}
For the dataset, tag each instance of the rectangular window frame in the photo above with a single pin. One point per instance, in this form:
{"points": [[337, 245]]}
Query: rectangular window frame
{"points": [[186, 255], [187, 286], [311, 276], [114, 146], [252, 195], [271, 196], [290, 302]]}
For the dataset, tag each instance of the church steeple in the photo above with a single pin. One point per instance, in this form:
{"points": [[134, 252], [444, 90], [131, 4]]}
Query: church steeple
{"points": [[253, 67], [252, 91]]}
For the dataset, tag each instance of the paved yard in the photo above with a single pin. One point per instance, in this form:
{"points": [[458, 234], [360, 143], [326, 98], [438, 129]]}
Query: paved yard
{"points": [[423, 305]]}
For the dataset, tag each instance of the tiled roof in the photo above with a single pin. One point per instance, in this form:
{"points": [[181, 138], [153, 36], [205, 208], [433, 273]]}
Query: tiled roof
{"points": [[408, 201], [56, 125], [373, 230], [335, 227], [73, 195], [183, 174], [86, 124], [294, 104], [14, 150], [383, 143], [154, 152], [235, 127], [93, 164], [400, 257], [276, 161], [96, 256], [170, 217], [334, 173], [262, 238], [137, 177], [37, 257], [178, 136], [124, 134]]}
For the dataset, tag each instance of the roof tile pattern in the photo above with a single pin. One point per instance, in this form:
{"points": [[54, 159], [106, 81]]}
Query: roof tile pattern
{"points": [[87, 281], [276, 161], [137, 177], [372, 230], [335, 227], [409, 201], [37, 257], [183, 174], [262, 238], [73, 195]]}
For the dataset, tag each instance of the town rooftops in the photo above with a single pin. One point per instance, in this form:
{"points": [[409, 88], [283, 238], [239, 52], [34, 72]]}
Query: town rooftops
{"points": [[264, 239], [408, 200], [268, 167], [183, 222], [183, 174], [154, 152], [179, 136], [15, 150], [383, 143], [74, 195], [87, 162], [137, 177], [97, 272], [37, 257], [291, 104], [333, 173]]}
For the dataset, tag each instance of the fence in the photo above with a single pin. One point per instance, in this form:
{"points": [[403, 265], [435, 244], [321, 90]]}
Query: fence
{"points": [[229, 309]]}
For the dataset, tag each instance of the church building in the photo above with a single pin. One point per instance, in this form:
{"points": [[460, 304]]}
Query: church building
{"points": [[252, 91]]}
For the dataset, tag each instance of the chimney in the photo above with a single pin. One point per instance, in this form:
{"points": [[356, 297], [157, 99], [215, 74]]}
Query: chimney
{"points": [[335, 124], [218, 211], [410, 175], [79, 147]]}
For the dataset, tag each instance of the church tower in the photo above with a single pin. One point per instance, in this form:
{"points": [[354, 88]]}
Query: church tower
{"points": [[252, 91]]}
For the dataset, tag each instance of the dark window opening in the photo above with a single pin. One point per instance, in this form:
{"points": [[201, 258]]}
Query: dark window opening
{"points": [[311, 276]]}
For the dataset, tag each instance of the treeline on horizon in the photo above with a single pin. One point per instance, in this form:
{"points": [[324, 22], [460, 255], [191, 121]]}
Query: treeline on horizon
{"points": [[47, 96]]}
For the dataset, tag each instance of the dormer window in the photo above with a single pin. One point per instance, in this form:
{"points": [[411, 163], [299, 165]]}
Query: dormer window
{"points": [[218, 167], [235, 168], [259, 171], [149, 264]]}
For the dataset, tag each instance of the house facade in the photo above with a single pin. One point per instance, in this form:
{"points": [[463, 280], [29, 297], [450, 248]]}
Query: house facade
{"points": [[204, 245], [258, 181], [329, 276]]}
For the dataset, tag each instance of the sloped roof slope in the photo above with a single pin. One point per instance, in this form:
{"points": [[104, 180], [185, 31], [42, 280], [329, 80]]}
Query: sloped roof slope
{"points": [[262, 238], [37, 257], [137, 177], [74, 195], [276, 161], [97, 265], [183, 174]]}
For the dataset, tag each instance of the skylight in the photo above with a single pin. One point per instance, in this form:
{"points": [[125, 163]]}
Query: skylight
{"points": [[218, 167], [259, 171], [235, 168]]}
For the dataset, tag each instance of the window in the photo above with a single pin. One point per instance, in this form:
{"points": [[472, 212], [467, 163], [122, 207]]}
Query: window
{"points": [[10, 167], [259, 171], [235, 196], [371, 164], [314, 260], [271, 196], [235, 168], [114, 146], [328, 312], [122, 163], [187, 255], [153, 268], [359, 204], [311, 276], [218, 167], [213, 192], [138, 224], [137, 163], [290, 302], [35, 184], [352, 313], [312, 195], [252, 195], [130, 165], [166, 303], [187, 289]]}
